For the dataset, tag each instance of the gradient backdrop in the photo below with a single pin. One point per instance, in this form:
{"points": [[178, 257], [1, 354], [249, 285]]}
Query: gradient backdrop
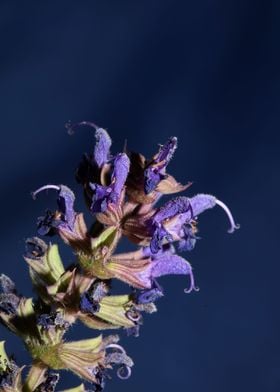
{"points": [[205, 71]]}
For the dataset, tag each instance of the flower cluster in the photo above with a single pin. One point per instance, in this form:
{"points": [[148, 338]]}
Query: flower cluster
{"points": [[122, 193]]}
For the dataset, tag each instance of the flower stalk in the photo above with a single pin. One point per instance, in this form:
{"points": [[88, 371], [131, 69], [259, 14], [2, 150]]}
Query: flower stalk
{"points": [[121, 192]]}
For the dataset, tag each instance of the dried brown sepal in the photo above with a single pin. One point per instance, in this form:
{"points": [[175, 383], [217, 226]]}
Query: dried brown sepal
{"points": [[169, 185]]}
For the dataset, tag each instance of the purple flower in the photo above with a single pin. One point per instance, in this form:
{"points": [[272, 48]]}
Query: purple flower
{"points": [[7, 286], [173, 221], [88, 305], [89, 301], [166, 262], [64, 218], [65, 201], [103, 195], [64, 221], [188, 239], [149, 295], [177, 208], [9, 303], [102, 147], [9, 298], [148, 179], [103, 143], [122, 191], [139, 269], [52, 320], [102, 175], [156, 170]]}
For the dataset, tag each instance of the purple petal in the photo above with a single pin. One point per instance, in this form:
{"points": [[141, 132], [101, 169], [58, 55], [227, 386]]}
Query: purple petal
{"points": [[9, 303], [100, 197], [155, 172], [35, 248], [119, 176], [103, 141], [188, 238], [171, 264], [7, 286], [179, 211], [188, 207], [179, 205], [88, 305], [103, 195], [159, 235], [166, 151], [89, 300], [52, 320], [151, 179], [145, 277], [150, 295], [202, 202], [65, 201], [176, 207], [47, 224], [102, 147]]}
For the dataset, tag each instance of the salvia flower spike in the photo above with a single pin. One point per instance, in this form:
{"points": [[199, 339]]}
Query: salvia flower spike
{"points": [[121, 191]]}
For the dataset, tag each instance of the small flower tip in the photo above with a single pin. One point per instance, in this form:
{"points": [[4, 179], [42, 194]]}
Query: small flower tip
{"points": [[124, 372], [174, 142], [117, 347], [192, 287], [43, 188], [33, 195], [71, 128], [233, 226]]}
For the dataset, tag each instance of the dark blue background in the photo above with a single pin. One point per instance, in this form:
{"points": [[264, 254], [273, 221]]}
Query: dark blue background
{"points": [[205, 71]]}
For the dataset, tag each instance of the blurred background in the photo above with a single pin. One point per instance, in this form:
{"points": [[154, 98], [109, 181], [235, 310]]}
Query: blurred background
{"points": [[206, 72]]}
